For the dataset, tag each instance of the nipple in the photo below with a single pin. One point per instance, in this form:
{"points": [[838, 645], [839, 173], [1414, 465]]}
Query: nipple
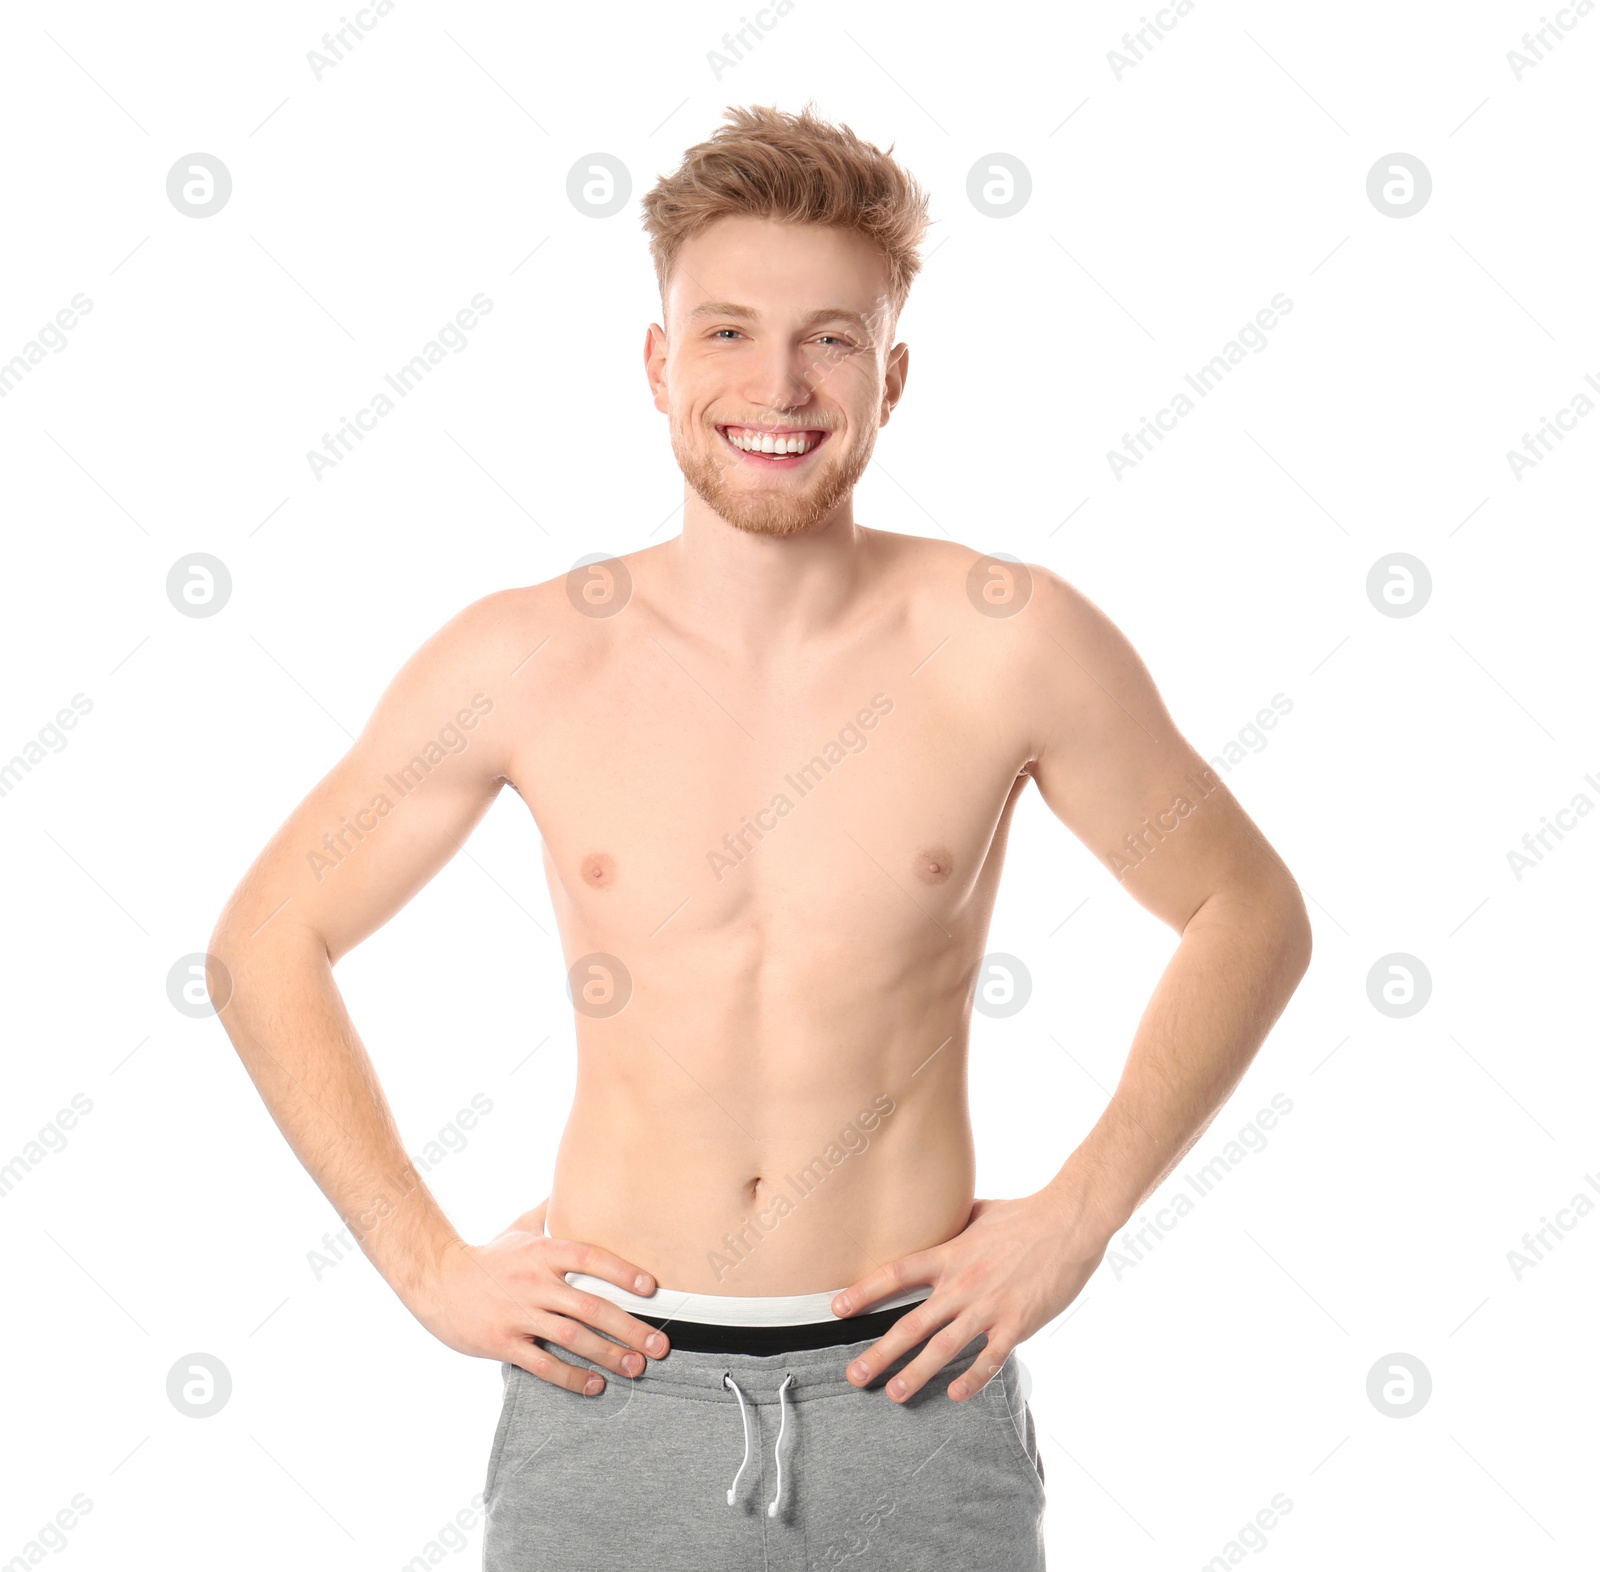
{"points": [[599, 870], [932, 864]]}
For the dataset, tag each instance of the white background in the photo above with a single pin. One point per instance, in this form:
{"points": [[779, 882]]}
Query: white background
{"points": [[1167, 208]]}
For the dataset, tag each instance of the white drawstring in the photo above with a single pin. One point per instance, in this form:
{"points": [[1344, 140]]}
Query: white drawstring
{"points": [[727, 1380], [777, 1451]]}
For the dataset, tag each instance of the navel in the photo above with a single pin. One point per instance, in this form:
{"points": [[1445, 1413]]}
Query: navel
{"points": [[932, 864], [599, 870]]}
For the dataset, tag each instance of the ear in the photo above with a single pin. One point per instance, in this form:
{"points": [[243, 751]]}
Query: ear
{"points": [[894, 380], [655, 365]]}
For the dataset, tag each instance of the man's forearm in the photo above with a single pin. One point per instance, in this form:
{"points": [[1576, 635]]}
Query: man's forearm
{"points": [[1239, 960], [289, 1024]]}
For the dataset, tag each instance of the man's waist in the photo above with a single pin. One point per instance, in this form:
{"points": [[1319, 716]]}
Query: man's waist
{"points": [[734, 1309], [679, 1311]]}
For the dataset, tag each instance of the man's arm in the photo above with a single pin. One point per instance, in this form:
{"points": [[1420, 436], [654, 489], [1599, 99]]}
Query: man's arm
{"points": [[1116, 771], [372, 832]]}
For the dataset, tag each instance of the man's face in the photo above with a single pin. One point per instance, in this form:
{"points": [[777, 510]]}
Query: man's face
{"points": [[778, 340]]}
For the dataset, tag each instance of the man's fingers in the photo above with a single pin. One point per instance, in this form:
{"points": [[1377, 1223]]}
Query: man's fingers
{"points": [[596, 1261], [905, 1334], [923, 1267], [576, 1336], [980, 1372], [942, 1347], [601, 1313], [532, 1358]]}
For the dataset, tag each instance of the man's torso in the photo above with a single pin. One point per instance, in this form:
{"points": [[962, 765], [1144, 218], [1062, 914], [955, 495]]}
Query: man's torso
{"points": [[773, 879]]}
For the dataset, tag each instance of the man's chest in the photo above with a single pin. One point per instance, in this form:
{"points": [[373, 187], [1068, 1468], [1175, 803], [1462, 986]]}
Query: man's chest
{"points": [[863, 796]]}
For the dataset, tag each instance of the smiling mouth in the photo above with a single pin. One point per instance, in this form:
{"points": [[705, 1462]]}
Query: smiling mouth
{"points": [[782, 448]]}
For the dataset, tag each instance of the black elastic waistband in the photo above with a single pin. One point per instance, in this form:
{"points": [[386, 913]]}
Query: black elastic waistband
{"points": [[701, 1337]]}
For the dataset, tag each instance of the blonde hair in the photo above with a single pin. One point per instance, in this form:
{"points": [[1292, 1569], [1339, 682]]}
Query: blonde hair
{"points": [[765, 163]]}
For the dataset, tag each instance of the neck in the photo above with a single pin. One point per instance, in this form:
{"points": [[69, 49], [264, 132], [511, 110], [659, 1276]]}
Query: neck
{"points": [[754, 592]]}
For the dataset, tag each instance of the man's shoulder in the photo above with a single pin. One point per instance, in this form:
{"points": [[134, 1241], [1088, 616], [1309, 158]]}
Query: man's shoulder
{"points": [[594, 589], [505, 618], [489, 627], [489, 644], [1025, 637], [529, 636], [1022, 602]]}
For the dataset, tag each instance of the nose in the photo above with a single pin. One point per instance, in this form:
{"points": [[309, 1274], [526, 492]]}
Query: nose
{"points": [[779, 376]]}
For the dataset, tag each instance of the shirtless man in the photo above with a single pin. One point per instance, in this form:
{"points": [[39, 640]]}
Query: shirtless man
{"points": [[772, 763]]}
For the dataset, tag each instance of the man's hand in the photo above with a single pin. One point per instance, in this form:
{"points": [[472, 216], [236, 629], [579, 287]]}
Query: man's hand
{"points": [[492, 1300], [1016, 1266]]}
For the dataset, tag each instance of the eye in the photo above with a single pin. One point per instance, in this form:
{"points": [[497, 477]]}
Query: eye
{"points": [[716, 331], [843, 343]]}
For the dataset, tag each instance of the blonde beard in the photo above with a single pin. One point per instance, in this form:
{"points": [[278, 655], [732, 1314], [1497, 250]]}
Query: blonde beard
{"points": [[777, 512]]}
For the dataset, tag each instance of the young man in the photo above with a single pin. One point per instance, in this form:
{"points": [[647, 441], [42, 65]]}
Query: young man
{"points": [[773, 763]]}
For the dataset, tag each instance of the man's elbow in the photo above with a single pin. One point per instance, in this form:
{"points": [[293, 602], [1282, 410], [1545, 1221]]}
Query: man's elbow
{"points": [[1294, 930], [224, 950], [219, 974], [242, 948], [1274, 912]]}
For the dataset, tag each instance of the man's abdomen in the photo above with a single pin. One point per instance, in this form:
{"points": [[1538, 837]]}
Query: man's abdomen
{"points": [[730, 1185]]}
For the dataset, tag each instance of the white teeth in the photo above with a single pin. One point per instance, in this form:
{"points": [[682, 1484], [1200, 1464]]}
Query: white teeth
{"points": [[767, 443]]}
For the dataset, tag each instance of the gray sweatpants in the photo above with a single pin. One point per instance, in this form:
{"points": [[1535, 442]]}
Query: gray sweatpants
{"points": [[639, 1478]]}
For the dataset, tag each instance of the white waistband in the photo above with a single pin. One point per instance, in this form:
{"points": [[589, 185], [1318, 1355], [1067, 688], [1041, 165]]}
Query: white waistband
{"points": [[733, 1309]]}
